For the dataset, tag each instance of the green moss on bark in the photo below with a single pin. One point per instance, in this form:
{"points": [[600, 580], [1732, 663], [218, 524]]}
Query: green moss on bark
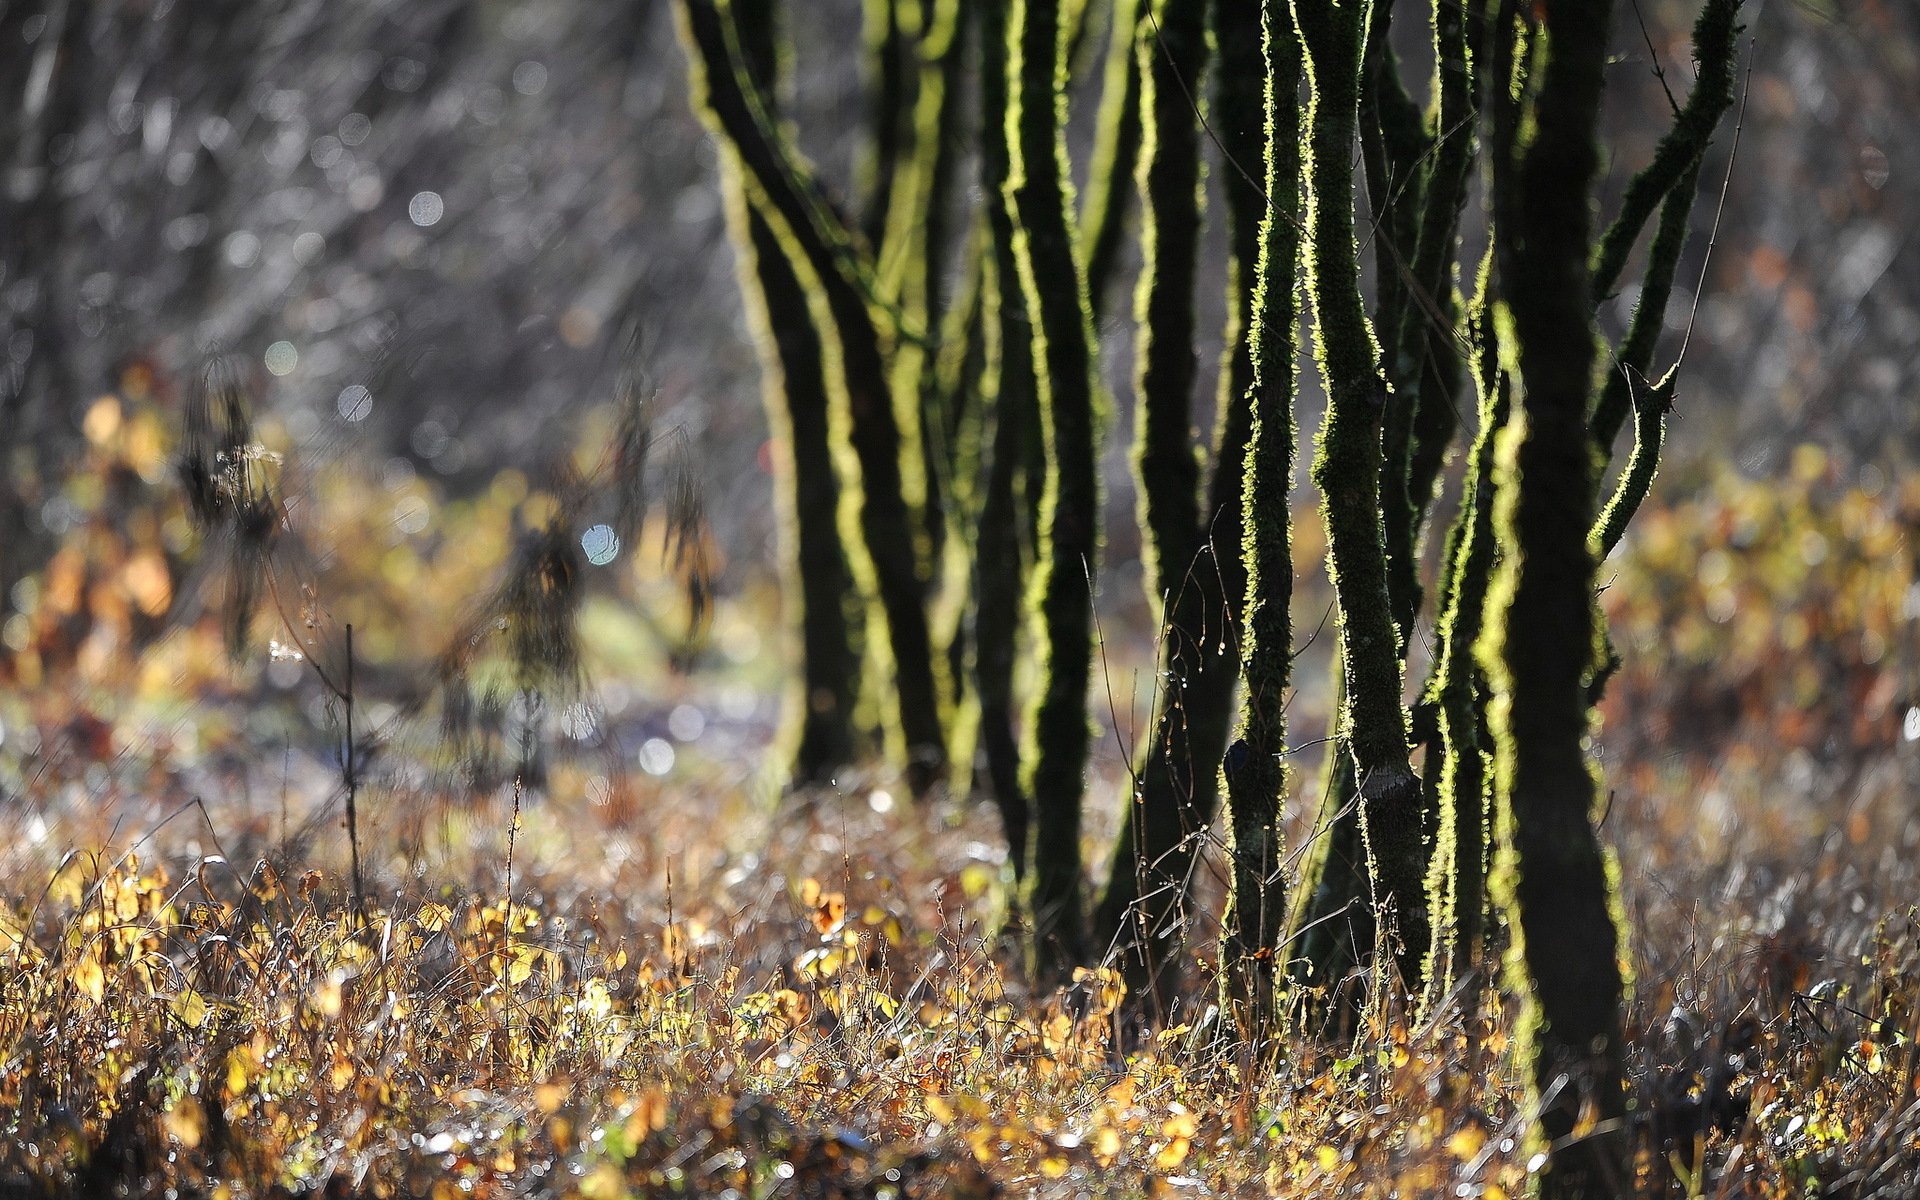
{"points": [[1255, 773], [1110, 187], [876, 512], [819, 734], [1552, 876], [1058, 732], [1347, 470]]}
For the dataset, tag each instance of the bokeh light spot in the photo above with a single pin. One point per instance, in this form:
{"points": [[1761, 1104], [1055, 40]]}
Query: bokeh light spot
{"points": [[355, 403], [601, 545], [426, 208], [656, 756], [530, 78]]}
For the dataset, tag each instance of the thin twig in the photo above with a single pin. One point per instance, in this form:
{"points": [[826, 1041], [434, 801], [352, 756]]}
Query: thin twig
{"points": [[1713, 236], [353, 790]]}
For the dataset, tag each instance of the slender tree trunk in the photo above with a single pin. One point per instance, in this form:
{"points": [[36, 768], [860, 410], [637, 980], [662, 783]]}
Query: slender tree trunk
{"points": [[1000, 567], [1553, 877], [816, 578], [1116, 147], [885, 550], [1417, 174], [1255, 773], [1058, 733], [911, 261], [1347, 469], [890, 28], [1141, 906], [1457, 766], [1395, 153]]}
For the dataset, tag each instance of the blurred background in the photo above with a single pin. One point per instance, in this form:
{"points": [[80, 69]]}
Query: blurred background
{"points": [[419, 230]]}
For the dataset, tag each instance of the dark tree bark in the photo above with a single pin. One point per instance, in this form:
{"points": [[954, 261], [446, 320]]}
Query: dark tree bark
{"points": [[819, 713], [1347, 469], [1552, 876], [1008, 380], [1141, 908], [847, 298], [1058, 734], [1255, 774], [1110, 187]]}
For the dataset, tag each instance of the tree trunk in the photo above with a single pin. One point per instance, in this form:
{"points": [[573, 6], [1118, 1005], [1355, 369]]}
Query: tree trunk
{"points": [[1000, 567], [820, 731], [1255, 772], [867, 414], [1347, 469], [1116, 147], [1552, 877], [1142, 910], [1058, 734]]}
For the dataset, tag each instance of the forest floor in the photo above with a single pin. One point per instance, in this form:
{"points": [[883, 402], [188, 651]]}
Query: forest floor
{"points": [[662, 981]]}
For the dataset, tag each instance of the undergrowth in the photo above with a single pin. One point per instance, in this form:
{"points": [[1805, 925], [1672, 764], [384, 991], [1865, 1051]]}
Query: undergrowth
{"points": [[658, 981]]}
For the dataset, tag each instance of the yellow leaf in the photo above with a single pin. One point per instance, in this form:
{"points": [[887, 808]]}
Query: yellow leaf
{"points": [[1106, 1145], [522, 965], [1467, 1142], [1328, 1158], [191, 1007], [605, 1183], [549, 1096], [102, 420], [90, 979], [1053, 1166], [976, 878], [238, 1066], [327, 1000], [186, 1122], [649, 1114], [1174, 1154]]}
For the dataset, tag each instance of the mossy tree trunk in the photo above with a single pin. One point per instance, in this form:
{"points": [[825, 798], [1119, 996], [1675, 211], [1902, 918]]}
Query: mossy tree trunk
{"points": [[875, 504], [1347, 470], [1141, 908], [1396, 152], [820, 711], [1417, 172], [1058, 732], [911, 258], [889, 28], [1457, 775], [1255, 774], [1008, 386], [1116, 148], [1552, 876]]}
